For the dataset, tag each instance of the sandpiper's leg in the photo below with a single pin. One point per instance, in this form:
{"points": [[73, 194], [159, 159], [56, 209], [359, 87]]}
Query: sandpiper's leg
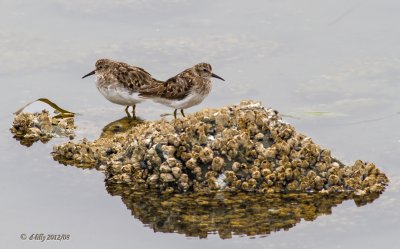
{"points": [[134, 110], [175, 113], [127, 111], [183, 114]]}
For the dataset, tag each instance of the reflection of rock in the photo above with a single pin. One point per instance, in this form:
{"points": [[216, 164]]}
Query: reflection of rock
{"points": [[243, 147], [251, 214], [31, 127]]}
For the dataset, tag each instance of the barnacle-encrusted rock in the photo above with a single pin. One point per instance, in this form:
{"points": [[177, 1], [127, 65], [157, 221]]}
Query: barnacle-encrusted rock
{"points": [[31, 127], [243, 147]]}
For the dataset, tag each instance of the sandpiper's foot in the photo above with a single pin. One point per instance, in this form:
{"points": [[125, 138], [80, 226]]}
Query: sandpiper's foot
{"points": [[183, 114], [175, 113]]}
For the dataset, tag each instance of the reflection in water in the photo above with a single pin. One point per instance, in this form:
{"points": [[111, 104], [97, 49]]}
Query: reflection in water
{"points": [[197, 215], [120, 126], [29, 141]]}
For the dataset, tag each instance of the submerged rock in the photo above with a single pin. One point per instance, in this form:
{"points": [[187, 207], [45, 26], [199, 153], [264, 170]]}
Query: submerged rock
{"points": [[31, 127], [239, 148]]}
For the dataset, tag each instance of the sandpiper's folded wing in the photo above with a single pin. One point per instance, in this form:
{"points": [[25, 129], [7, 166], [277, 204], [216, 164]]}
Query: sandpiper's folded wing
{"points": [[132, 77], [177, 87]]}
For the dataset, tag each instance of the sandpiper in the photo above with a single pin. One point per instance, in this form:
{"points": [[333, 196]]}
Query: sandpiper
{"points": [[185, 90], [119, 82]]}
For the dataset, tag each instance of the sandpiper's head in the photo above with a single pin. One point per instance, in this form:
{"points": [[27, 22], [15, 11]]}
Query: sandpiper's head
{"points": [[102, 66], [204, 70]]}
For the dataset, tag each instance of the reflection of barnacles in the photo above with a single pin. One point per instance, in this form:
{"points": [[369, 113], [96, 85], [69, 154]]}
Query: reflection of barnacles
{"points": [[228, 214]]}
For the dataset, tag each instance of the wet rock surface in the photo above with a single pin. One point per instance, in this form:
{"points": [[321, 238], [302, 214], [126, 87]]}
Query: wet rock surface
{"points": [[29, 128], [239, 148]]}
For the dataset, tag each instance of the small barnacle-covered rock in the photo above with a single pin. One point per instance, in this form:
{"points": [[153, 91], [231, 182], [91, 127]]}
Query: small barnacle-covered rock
{"points": [[40, 126], [243, 147]]}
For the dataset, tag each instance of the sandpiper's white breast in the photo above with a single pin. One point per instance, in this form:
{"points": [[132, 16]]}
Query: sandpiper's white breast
{"points": [[116, 93], [191, 100]]}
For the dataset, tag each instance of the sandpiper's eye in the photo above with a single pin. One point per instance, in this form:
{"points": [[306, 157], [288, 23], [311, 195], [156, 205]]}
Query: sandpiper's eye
{"points": [[205, 70]]}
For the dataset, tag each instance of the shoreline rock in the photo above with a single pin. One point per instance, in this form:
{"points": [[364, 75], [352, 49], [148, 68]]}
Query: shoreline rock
{"points": [[238, 148]]}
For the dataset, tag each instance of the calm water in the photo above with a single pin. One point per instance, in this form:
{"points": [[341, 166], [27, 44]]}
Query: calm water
{"points": [[332, 66]]}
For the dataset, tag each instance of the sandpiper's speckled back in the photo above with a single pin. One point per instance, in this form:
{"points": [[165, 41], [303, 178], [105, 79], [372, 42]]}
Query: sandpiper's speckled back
{"points": [[196, 79], [109, 72]]}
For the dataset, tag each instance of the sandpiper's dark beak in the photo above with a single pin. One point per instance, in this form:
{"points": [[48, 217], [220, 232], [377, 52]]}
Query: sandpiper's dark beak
{"points": [[91, 73], [216, 76]]}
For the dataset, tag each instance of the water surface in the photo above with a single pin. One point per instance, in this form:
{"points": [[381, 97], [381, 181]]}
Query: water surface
{"points": [[333, 67]]}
